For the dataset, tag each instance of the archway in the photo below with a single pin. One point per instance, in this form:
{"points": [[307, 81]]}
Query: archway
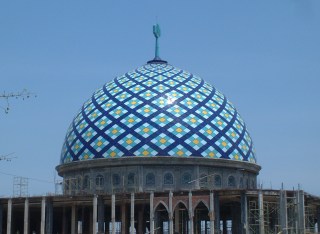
{"points": [[201, 219], [161, 220], [181, 218]]}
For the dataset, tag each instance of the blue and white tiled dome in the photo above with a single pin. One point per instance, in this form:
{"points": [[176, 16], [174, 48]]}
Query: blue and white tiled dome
{"points": [[157, 110]]}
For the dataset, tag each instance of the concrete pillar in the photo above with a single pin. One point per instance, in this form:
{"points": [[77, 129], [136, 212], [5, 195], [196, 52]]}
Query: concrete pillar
{"points": [[170, 213], [94, 214], [190, 211], [141, 225], [64, 221], [49, 217], [300, 211], [283, 211], [73, 219], [217, 212], [224, 227], [151, 213], [176, 221], [1, 216], [113, 213], [197, 181], [9, 214], [261, 212], [124, 218], [101, 215], [211, 213], [318, 219], [132, 214], [244, 214], [43, 215], [26, 217]]}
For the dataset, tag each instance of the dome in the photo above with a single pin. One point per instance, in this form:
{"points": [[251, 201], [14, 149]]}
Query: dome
{"points": [[157, 110]]}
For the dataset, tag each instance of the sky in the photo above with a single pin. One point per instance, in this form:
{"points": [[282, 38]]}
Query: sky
{"points": [[263, 55]]}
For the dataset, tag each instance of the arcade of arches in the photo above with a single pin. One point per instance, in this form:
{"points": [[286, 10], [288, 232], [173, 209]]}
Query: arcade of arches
{"points": [[201, 212]]}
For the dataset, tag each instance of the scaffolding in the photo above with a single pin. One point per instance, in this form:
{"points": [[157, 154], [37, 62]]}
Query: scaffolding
{"points": [[253, 217], [20, 186], [310, 219], [292, 215], [271, 217]]}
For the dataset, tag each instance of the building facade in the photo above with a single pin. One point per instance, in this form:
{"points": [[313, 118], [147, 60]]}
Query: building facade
{"points": [[159, 150]]}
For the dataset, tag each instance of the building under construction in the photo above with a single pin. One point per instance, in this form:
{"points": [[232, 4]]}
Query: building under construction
{"points": [[158, 150]]}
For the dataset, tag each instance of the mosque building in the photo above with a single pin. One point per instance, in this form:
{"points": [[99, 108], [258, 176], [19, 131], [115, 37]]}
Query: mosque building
{"points": [[159, 150]]}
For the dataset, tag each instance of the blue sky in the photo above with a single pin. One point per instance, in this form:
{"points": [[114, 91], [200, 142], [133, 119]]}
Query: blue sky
{"points": [[263, 55]]}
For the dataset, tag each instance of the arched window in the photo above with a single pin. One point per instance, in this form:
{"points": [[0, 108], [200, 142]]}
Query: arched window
{"points": [[186, 178], [115, 179], [168, 178], [131, 179], [241, 182], [67, 184], [150, 179], [86, 182], [203, 180], [99, 181], [253, 184], [231, 182], [217, 181]]}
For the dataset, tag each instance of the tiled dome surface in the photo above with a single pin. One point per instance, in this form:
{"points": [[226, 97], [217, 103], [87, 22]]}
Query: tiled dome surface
{"points": [[157, 110]]}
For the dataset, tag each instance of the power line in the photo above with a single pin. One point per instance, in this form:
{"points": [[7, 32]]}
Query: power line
{"points": [[29, 178]]}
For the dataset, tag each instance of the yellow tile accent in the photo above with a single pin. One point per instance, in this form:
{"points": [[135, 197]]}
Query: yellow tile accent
{"points": [[180, 153], [179, 130], [163, 140]]}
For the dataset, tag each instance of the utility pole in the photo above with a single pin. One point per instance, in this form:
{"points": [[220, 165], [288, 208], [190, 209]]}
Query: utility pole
{"points": [[24, 94], [7, 157]]}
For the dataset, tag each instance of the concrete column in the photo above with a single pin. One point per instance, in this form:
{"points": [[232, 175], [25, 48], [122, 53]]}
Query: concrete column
{"points": [[300, 211], [141, 225], [73, 219], [211, 213], [113, 213], [94, 214], [217, 212], [43, 215], [1, 216], [318, 219], [170, 213], [197, 181], [49, 217], [151, 214], [190, 211], [244, 213], [9, 214], [132, 214], [283, 212], [26, 216], [124, 218], [261, 213], [176, 221], [101, 215], [224, 227], [64, 221]]}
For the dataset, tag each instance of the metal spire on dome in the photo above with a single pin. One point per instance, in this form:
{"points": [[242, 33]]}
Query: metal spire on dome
{"points": [[157, 34]]}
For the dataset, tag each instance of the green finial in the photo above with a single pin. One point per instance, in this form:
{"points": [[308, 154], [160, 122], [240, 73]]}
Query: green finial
{"points": [[157, 34]]}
